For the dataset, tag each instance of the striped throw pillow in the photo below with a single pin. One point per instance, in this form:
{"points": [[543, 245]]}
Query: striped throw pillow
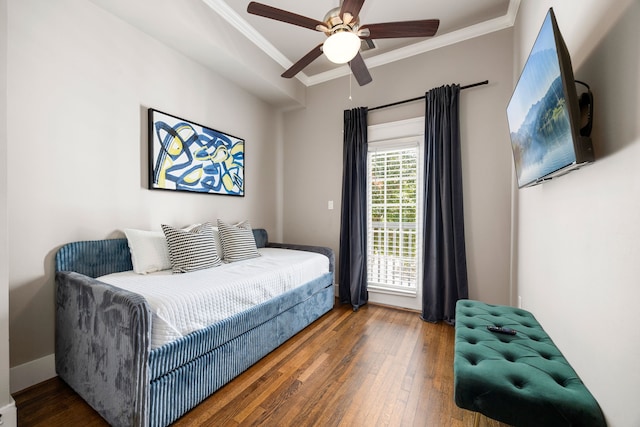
{"points": [[238, 242], [191, 250]]}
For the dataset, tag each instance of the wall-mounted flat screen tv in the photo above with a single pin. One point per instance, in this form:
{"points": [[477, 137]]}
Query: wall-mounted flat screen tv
{"points": [[545, 113]]}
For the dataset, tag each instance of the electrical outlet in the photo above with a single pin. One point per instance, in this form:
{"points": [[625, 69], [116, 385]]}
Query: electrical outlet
{"points": [[330, 205], [519, 301]]}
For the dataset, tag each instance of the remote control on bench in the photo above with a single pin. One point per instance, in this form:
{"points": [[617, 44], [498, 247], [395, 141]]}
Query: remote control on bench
{"points": [[501, 330]]}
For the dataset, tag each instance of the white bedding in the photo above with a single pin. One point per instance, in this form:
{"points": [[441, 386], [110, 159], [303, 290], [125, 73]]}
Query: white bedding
{"points": [[184, 303]]}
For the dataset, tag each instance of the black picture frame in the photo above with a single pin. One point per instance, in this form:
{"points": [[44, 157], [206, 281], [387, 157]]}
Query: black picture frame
{"points": [[187, 156]]}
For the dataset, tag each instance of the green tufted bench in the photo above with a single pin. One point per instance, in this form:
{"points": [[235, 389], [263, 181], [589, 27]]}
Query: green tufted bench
{"points": [[522, 379]]}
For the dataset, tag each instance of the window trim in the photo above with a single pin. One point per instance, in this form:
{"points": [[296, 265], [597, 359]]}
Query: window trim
{"points": [[398, 135], [397, 145]]}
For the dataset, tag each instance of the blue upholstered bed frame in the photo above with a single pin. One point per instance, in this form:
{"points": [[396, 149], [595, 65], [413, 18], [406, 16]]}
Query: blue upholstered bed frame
{"points": [[103, 337]]}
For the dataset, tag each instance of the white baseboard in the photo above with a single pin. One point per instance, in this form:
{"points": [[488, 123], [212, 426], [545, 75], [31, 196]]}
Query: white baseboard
{"points": [[9, 415], [31, 373]]}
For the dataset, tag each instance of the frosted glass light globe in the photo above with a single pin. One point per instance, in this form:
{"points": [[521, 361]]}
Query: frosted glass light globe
{"points": [[341, 47]]}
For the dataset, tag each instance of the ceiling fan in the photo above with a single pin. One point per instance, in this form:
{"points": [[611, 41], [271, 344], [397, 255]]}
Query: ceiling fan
{"points": [[342, 27]]}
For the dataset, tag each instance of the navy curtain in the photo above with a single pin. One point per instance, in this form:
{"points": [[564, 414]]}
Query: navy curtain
{"points": [[444, 263], [352, 280]]}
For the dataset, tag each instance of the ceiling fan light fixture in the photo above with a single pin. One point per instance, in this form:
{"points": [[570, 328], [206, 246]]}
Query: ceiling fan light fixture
{"points": [[341, 47], [342, 27]]}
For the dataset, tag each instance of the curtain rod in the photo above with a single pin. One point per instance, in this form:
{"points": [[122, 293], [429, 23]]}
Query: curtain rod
{"points": [[422, 97]]}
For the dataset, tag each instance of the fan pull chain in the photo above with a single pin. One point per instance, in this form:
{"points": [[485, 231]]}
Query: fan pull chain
{"points": [[350, 78]]}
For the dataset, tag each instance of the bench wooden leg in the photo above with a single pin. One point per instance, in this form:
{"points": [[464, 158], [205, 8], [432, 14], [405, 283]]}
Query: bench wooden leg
{"points": [[476, 419]]}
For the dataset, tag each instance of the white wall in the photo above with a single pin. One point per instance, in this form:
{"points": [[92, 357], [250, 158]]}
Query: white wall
{"points": [[79, 84], [313, 149], [579, 251], [7, 406]]}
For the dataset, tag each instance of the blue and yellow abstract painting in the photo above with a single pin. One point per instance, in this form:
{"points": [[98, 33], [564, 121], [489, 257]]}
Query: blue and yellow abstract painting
{"points": [[190, 157]]}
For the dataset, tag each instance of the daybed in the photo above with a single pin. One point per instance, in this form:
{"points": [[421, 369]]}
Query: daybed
{"points": [[103, 336]]}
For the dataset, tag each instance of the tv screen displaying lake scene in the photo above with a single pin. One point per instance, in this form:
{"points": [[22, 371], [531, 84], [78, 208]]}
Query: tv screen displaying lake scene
{"points": [[538, 115]]}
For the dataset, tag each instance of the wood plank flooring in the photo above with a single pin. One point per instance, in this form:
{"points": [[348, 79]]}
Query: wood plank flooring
{"points": [[376, 367]]}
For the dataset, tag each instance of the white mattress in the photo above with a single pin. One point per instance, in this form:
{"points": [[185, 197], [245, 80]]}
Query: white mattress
{"points": [[184, 303]]}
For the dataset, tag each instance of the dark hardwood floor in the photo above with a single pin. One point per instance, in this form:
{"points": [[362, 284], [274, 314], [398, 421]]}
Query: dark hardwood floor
{"points": [[375, 367]]}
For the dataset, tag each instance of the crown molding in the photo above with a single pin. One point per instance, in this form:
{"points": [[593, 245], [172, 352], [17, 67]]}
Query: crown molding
{"points": [[477, 30], [230, 15]]}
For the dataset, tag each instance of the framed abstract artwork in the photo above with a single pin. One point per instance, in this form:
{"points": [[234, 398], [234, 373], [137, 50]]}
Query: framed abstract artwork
{"points": [[186, 156]]}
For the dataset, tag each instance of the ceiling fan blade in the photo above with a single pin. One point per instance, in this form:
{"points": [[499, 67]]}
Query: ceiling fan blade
{"points": [[303, 62], [282, 15], [360, 70], [351, 6], [392, 30]]}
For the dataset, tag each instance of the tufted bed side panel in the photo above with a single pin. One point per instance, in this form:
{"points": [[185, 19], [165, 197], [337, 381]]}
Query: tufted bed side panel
{"points": [[95, 258]]}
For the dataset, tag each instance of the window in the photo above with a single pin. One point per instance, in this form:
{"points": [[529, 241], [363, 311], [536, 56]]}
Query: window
{"points": [[393, 217]]}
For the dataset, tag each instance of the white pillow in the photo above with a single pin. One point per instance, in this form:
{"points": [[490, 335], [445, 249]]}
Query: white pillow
{"points": [[149, 250]]}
